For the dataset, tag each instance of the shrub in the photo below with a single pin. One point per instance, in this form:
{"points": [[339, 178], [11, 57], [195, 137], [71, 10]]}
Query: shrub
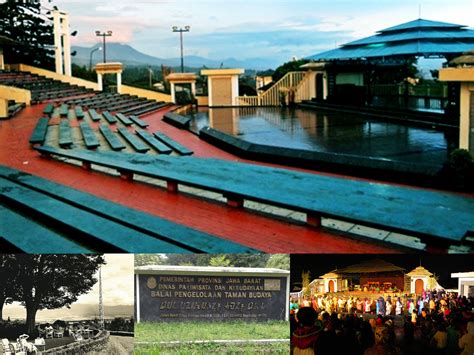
{"points": [[458, 171]]}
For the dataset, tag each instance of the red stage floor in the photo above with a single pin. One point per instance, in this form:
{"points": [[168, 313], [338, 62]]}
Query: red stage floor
{"points": [[243, 226]]}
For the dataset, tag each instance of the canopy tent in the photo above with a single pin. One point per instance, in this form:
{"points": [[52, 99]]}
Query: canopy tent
{"points": [[411, 39]]}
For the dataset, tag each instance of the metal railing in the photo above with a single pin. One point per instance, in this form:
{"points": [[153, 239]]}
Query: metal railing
{"points": [[83, 346], [290, 83]]}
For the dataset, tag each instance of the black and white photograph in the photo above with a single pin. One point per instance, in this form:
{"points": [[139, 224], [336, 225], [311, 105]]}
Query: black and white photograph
{"points": [[65, 304]]}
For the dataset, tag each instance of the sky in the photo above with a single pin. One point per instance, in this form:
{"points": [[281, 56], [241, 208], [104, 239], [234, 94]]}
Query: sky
{"points": [[117, 282], [441, 265], [249, 29]]}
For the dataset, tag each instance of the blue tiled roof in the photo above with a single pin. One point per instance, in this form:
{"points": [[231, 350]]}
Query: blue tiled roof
{"points": [[414, 38], [418, 35], [421, 23]]}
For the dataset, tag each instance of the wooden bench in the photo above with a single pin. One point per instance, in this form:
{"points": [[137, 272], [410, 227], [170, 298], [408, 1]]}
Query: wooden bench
{"points": [[177, 120], [436, 217], [173, 144], [30, 237], [65, 137], [96, 224], [63, 110], [152, 141], [109, 117], [140, 123], [124, 119], [136, 143], [79, 112], [90, 139], [39, 133], [94, 115], [111, 138], [49, 109]]}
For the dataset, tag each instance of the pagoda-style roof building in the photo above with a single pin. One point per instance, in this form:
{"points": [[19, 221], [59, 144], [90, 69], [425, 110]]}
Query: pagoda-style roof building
{"points": [[411, 39], [370, 266]]}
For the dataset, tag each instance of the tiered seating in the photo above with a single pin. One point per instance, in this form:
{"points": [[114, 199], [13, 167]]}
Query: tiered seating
{"points": [[42, 88], [122, 103], [14, 108], [59, 219], [315, 195]]}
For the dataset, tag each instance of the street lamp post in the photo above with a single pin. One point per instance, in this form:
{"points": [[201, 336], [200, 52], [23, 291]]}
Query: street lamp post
{"points": [[103, 35], [181, 30], [90, 59]]}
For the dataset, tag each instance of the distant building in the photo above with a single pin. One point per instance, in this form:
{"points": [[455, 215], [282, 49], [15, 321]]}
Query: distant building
{"points": [[370, 275], [261, 81], [465, 283]]}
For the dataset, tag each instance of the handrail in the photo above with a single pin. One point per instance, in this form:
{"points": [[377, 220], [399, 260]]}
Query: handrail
{"points": [[99, 340], [290, 82]]}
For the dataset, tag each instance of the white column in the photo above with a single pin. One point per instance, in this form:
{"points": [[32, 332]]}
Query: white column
{"points": [[209, 91], [99, 82], [57, 42], [66, 44], [173, 94], [325, 85], [119, 83], [2, 63], [193, 88], [235, 89]]}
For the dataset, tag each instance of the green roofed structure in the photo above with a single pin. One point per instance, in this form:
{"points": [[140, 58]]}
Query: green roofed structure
{"points": [[379, 71], [415, 38]]}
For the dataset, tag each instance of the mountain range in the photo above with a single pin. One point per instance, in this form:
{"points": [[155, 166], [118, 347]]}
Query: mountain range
{"points": [[76, 312], [128, 55]]}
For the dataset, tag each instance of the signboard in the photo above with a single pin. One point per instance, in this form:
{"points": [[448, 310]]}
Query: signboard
{"points": [[207, 298]]}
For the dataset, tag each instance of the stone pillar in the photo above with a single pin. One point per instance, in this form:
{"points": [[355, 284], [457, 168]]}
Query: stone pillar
{"points": [[99, 82], [3, 108], [193, 88], [223, 86], [173, 94], [465, 76], [119, 83], [209, 91]]}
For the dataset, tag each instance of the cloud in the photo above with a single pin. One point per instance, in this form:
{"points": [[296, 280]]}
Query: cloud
{"points": [[117, 282]]}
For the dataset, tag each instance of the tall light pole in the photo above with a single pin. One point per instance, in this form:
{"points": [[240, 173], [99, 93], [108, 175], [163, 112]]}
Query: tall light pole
{"points": [[181, 30], [90, 59], [103, 35]]}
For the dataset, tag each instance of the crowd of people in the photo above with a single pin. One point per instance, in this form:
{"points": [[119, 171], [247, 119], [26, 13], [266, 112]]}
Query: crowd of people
{"points": [[431, 323]]}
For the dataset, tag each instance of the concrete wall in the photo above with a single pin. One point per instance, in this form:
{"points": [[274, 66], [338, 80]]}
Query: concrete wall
{"points": [[151, 95], [203, 100], [466, 124], [465, 75], [17, 94], [3, 108], [55, 76]]}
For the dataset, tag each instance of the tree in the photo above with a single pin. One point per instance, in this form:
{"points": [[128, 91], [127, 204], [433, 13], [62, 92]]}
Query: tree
{"points": [[28, 24], [293, 65], [148, 259], [53, 281], [279, 261], [237, 260], [219, 260], [8, 271]]}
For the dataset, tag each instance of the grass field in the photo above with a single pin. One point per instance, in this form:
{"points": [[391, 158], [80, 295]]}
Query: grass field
{"points": [[154, 333]]}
